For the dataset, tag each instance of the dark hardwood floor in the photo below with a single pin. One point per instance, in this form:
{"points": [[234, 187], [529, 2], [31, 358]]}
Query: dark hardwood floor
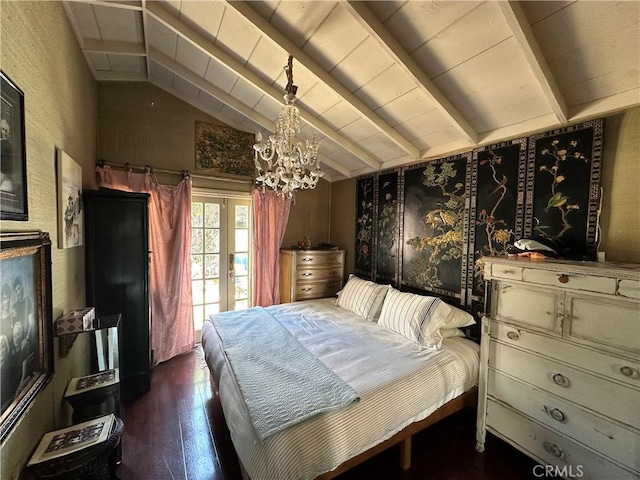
{"points": [[177, 432]]}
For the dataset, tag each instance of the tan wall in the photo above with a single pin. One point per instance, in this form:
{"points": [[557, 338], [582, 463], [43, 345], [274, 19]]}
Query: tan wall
{"points": [[309, 216], [60, 111], [620, 217], [343, 219], [141, 124]]}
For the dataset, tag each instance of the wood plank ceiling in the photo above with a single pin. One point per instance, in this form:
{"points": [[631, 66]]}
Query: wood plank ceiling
{"points": [[383, 83]]}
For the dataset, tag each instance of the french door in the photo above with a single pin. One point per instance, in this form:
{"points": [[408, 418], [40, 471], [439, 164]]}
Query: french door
{"points": [[220, 255]]}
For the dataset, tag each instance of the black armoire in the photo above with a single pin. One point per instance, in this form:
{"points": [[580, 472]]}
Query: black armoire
{"points": [[117, 275]]}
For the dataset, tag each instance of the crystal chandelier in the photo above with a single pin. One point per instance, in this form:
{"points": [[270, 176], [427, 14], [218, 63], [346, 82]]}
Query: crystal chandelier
{"points": [[282, 163]]}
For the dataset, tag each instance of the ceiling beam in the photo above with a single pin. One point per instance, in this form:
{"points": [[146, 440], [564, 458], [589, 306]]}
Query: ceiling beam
{"points": [[91, 45], [232, 102], [123, 4], [111, 76], [519, 25], [227, 61], [377, 30], [145, 29], [267, 30]]}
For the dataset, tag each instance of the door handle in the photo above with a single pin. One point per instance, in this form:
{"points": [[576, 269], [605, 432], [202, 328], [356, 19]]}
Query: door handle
{"points": [[231, 264]]}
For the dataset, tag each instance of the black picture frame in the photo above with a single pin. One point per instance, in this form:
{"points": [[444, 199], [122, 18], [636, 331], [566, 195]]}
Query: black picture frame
{"points": [[26, 323], [13, 158]]}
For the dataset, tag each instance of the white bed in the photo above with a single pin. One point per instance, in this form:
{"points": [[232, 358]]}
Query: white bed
{"points": [[400, 385]]}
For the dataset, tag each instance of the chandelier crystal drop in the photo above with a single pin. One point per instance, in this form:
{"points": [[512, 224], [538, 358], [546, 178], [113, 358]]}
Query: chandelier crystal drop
{"points": [[282, 163]]}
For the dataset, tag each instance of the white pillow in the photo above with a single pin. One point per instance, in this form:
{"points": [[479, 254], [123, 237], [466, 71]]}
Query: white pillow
{"points": [[458, 318], [362, 297], [418, 317], [451, 332]]}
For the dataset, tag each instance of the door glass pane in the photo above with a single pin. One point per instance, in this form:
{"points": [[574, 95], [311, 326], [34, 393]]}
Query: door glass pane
{"points": [[212, 215], [242, 216], [241, 263], [196, 214], [210, 309], [242, 288], [212, 240], [196, 267], [196, 240], [242, 240], [211, 266], [197, 287], [212, 291], [241, 304], [198, 317]]}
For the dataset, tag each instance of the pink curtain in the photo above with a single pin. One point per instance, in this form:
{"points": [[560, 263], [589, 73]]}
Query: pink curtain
{"points": [[270, 217], [172, 331]]}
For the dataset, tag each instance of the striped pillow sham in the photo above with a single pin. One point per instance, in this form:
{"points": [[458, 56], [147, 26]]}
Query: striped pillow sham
{"points": [[416, 317], [362, 297]]}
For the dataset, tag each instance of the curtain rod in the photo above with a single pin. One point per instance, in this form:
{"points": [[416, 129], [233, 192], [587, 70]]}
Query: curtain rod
{"points": [[183, 173]]}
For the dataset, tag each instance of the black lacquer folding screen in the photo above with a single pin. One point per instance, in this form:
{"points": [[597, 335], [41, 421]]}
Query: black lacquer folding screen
{"points": [[435, 226], [563, 188], [387, 238], [365, 213], [426, 227]]}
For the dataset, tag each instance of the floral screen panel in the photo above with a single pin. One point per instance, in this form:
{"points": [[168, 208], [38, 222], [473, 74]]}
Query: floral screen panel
{"points": [[498, 181], [435, 226], [387, 227], [563, 188], [365, 212]]}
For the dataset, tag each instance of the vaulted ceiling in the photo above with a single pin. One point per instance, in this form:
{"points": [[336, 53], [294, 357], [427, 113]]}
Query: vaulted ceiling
{"points": [[383, 83]]}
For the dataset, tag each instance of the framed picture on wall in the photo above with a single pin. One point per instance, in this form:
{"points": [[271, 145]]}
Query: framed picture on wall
{"points": [[26, 325], [70, 228], [13, 158]]}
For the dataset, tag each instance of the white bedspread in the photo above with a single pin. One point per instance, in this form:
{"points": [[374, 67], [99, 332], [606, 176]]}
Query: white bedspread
{"points": [[398, 383]]}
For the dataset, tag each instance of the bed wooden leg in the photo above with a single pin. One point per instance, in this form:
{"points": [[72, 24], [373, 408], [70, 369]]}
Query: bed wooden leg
{"points": [[405, 453]]}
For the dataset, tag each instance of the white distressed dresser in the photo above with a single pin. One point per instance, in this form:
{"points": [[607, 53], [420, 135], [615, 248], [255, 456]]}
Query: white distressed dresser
{"points": [[560, 364], [309, 274]]}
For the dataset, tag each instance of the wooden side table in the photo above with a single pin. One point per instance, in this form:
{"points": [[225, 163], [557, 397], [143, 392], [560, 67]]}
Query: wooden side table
{"points": [[97, 462]]}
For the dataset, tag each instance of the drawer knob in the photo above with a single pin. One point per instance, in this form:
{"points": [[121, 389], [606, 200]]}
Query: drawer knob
{"points": [[556, 414], [307, 259], [513, 335], [628, 371], [307, 274], [306, 289], [332, 272], [508, 272], [554, 450], [561, 380], [563, 278]]}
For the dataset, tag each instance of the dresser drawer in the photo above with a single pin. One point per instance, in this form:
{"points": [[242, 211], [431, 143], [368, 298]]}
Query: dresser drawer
{"points": [[550, 447], [309, 291], [611, 399], [603, 321], [321, 258], [572, 281], [611, 366], [529, 306], [506, 272], [629, 288], [304, 274], [609, 438]]}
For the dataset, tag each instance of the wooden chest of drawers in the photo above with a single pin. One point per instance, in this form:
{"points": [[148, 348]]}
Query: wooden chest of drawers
{"points": [[309, 274], [560, 364]]}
